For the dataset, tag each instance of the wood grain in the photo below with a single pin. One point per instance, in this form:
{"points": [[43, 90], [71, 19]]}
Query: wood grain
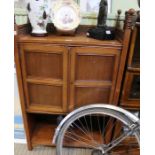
{"points": [[93, 75]]}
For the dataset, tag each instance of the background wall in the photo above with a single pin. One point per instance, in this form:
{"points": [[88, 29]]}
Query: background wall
{"points": [[124, 5], [21, 18], [21, 13]]}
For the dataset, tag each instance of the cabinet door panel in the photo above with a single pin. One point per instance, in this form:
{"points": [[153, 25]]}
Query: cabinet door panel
{"points": [[44, 65], [45, 77], [131, 91], [94, 67], [45, 95], [93, 75], [90, 95]]}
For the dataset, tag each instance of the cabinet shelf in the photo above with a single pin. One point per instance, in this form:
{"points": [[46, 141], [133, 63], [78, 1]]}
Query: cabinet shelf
{"points": [[134, 69], [45, 126], [42, 128], [43, 134]]}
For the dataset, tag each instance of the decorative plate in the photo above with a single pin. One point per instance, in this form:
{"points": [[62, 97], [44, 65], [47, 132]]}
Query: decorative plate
{"points": [[66, 15]]}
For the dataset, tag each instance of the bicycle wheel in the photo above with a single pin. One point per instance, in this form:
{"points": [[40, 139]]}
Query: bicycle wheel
{"points": [[98, 130]]}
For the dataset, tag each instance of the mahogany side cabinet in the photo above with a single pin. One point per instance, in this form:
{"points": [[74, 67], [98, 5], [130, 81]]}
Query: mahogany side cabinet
{"points": [[57, 74], [130, 94]]}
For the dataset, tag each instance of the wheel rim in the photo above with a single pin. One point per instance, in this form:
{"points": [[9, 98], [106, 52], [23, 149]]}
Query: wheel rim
{"points": [[81, 132]]}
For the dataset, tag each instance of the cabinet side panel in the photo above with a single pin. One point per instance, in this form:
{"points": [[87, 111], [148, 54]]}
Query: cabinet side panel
{"points": [[28, 126]]}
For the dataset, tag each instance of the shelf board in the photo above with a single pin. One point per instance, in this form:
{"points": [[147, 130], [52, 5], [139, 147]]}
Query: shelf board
{"points": [[43, 134], [135, 67], [79, 39]]}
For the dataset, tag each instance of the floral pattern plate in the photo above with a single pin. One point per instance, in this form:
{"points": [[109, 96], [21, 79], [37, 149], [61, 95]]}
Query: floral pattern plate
{"points": [[66, 15]]}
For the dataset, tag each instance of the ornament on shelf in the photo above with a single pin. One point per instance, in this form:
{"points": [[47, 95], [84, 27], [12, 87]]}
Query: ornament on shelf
{"points": [[138, 3], [66, 16], [102, 31], [39, 14], [103, 11]]}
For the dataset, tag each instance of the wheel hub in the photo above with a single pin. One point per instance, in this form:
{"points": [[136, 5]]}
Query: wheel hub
{"points": [[96, 152], [99, 151]]}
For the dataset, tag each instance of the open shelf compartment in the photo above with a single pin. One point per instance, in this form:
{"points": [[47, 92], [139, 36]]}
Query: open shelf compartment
{"points": [[43, 129]]}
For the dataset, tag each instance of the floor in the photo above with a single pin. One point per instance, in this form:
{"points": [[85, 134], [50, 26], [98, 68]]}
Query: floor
{"points": [[21, 149]]}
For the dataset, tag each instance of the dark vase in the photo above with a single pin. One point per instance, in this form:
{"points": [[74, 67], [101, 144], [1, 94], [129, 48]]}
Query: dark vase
{"points": [[139, 3], [102, 15]]}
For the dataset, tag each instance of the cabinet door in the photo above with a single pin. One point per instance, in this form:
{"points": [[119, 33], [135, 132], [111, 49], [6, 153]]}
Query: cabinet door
{"points": [[131, 91], [93, 75], [45, 77], [134, 51]]}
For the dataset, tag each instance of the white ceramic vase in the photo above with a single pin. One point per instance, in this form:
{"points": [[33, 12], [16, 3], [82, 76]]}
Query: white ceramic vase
{"points": [[39, 14]]}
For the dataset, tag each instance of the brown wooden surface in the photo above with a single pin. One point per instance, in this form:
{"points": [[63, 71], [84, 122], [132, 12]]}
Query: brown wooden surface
{"points": [[126, 101], [134, 51], [93, 75], [122, 64], [43, 134], [128, 25], [44, 70], [70, 40], [80, 39], [132, 70], [27, 122]]}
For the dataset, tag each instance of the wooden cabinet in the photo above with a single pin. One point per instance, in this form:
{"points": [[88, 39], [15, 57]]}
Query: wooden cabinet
{"points": [[130, 96], [57, 74], [57, 79]]}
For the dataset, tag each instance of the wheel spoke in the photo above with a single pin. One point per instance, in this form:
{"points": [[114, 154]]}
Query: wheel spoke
{"points": [[86, 123], [87, 131], [74, 124], [111, 129], [86, 144], [91, 126], [99, 126], [72, 133], [103, 129], [87, 134], [116, 142]]}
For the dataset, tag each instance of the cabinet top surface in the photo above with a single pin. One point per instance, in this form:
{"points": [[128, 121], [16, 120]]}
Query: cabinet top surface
{"points": [[78, 39]]}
